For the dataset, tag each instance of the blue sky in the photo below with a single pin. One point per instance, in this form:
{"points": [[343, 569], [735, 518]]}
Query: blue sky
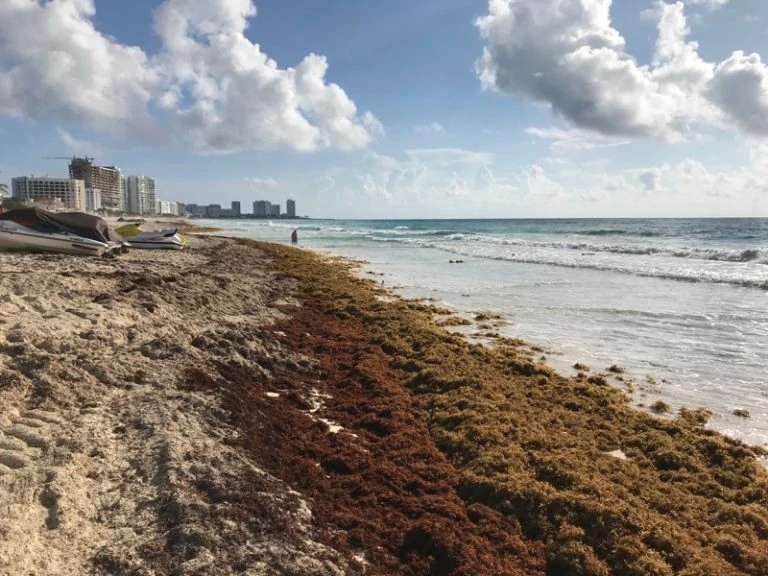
{"points": [[543, 126]]}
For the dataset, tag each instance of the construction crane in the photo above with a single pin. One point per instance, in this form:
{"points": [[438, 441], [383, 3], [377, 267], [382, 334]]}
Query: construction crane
{"points": [[66, 158]]}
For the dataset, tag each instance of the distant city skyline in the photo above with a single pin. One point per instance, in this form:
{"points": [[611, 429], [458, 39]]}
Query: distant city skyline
{"points": [[94, 188], [457, 108], [260, 209]]}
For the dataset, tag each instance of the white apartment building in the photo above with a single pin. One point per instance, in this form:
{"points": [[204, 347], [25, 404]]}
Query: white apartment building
{"points": [[142, 197], [71, 192], [93, 199], [123, 193], [168, 208], [151, 194]]}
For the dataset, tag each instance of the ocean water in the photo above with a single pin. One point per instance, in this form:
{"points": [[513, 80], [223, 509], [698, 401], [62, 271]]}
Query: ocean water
{"points": [[682, 304]]}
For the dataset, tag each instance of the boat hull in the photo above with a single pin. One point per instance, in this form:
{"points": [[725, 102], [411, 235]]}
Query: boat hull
{"points": [[150, 245], [20, 239], [154, 241], [166, 239]]}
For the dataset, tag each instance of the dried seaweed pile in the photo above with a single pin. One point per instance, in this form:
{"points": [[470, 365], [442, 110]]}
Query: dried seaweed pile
{"points": [[333, 419], [518, 443]]}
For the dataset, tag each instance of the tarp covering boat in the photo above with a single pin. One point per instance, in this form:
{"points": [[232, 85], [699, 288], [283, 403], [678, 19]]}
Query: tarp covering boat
{"points": [[14, 236], [76, 223]]}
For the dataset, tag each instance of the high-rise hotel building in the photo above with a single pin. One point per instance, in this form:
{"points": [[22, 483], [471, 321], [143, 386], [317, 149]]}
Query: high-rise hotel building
{"points": [[104, 178], [142, 196], [71, 192]]}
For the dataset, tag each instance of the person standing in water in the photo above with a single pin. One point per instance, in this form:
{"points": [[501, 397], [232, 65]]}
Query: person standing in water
{"points": [[294, 237]]}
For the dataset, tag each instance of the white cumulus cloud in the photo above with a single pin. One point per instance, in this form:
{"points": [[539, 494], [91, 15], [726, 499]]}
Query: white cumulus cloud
{"points": [[450, 156], [78, 146], [567, 55], [423, 186], [740, 88], [211, 85], [574, 138], [262, 183], [55, 65], [431, 129], [711, 4]]}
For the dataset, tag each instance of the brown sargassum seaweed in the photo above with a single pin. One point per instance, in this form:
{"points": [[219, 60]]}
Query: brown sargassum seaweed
{"points": [[460, 450]]}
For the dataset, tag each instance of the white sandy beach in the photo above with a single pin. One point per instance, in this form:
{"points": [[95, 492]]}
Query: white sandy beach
{"points": [[100, 450]]}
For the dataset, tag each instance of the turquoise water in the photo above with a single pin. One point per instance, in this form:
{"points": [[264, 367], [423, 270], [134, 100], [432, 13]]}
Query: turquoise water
{"points": [[681, 304]]}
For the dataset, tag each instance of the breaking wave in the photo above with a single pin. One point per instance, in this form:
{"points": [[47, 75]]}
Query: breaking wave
{"points": [[739, 267], [688, 275], [616, 232], [751, 255]]}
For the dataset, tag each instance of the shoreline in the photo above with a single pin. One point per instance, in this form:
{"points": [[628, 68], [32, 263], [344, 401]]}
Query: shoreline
{"points": [[647, 377], [378, 441]]}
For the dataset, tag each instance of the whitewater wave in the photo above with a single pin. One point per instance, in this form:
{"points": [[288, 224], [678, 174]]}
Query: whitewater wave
{"points": [[709, 276], [750, 255], [614, 232]]}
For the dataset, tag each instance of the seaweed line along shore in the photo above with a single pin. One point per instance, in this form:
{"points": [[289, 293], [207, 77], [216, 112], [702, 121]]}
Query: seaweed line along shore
{"points": [[250, 408]]}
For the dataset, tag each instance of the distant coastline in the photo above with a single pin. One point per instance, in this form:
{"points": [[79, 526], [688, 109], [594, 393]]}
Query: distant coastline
{"points": [[248, 217]]}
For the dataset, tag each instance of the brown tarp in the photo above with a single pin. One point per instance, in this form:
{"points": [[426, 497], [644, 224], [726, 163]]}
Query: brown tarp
{"points": [[77, 223]]}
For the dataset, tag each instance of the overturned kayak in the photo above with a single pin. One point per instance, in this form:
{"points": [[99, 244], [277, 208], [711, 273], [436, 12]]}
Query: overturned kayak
{"points": [[14, 236], [168, 239]]}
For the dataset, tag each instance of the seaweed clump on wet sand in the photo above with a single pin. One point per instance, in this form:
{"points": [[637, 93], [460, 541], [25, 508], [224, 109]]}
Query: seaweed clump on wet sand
{"points": [[604, 488]]}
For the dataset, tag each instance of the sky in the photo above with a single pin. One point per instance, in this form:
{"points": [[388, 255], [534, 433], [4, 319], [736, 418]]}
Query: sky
{"points": [[400, 109]]}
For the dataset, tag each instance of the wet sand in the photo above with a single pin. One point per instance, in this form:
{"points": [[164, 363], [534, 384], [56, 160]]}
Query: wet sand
{"points": [[246, 408]]}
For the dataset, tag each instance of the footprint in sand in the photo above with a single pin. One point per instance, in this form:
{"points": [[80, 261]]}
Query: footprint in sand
{"points": [[23, 442], [37, 304], [25, 438]]}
